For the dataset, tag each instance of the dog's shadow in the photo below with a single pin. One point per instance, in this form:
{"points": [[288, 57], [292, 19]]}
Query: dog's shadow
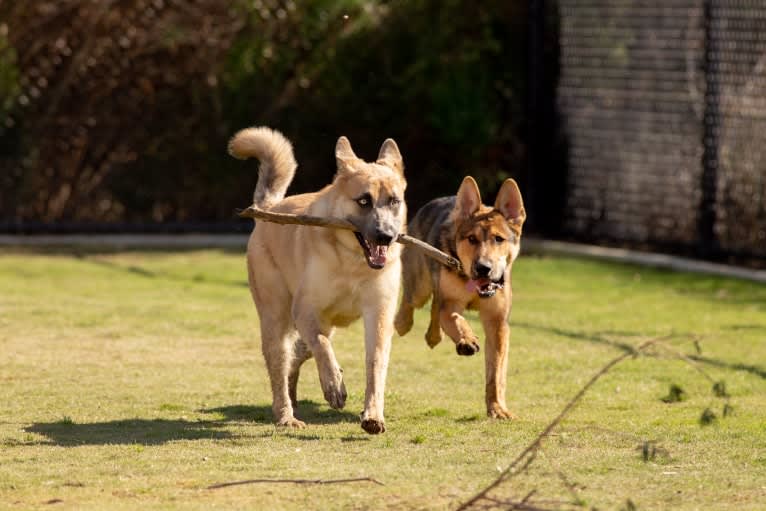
{"points": [[129, 431], [307, 411], [69, 433]]}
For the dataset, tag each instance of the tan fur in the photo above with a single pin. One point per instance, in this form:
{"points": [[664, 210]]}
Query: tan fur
{"points": [[277, 162], [305, 280], [472, 231]]}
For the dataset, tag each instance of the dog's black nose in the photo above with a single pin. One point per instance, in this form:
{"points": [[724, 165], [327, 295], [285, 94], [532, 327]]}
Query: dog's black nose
{"points": [[383, 238], [481, 269]]}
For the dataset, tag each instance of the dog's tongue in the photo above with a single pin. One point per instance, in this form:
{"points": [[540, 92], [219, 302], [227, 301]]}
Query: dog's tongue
{"points": [[476, 284], [378, 254]]}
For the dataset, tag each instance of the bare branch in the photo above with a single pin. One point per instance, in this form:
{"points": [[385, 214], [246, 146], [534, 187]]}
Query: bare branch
{"points": [[339, 223], [432, 252], [562, 476], [532, 448], [296, 481], [687, 359]]}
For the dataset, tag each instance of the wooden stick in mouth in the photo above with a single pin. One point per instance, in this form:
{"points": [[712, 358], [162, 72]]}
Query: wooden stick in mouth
{"points": [[338, 223]]}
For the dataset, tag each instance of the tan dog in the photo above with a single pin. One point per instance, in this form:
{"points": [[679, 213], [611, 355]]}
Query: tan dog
{"points": [[486, 241], [305, 280]]}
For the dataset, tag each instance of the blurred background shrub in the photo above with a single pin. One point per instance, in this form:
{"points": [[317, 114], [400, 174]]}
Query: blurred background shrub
{"points": [[120, 110]]}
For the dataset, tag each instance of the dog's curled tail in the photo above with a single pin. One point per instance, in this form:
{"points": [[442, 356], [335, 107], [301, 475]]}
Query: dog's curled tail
{"points": [[277, 166]]}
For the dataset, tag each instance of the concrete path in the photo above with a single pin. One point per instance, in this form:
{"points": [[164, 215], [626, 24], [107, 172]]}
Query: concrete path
{"points": [[648, 259], [128, 240]]}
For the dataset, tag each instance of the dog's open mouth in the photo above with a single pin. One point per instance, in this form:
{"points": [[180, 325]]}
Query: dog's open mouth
{"points": [[486, 288], [375, 254]]}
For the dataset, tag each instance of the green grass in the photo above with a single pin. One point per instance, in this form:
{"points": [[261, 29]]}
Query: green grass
{"points": [[134, 380]]}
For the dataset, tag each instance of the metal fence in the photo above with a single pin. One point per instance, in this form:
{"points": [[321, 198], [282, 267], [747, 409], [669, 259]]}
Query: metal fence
{"points": [[663, 109]]}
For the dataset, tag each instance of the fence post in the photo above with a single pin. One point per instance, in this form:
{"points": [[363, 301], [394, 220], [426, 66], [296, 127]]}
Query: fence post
{"points": [[708, 245], [535, 24]]}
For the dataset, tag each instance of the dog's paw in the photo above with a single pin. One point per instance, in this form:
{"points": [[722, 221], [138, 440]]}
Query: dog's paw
{"points": [[468, 344], [291, 422], [373, 426], [335, 392], [433, 336], [498, 411], [467, 348]]}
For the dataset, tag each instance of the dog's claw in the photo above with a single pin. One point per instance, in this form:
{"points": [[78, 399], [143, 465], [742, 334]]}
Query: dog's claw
{"points": [[373, 426], [334, 389], [467, 348], [498, 411], [336, 397], [291, 422]]}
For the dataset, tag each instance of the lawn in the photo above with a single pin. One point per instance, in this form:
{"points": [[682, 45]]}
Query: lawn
{"points": [[134, 380]]}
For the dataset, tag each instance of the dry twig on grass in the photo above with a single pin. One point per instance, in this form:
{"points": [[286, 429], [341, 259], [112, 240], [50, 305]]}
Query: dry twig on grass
{"points": [[338, 223], [483, 499], [526, 457], [296, 481]]}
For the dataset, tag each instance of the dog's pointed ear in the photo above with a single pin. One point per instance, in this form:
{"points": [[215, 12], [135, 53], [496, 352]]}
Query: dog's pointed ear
{"points": [[344, 155], [390, 156], [509, 202], [468, 198]]}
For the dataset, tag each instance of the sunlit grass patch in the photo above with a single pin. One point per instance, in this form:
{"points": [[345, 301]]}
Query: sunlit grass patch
{"points": [[135, 379]]}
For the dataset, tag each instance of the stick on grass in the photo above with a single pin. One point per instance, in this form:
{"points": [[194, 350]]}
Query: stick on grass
{"points": [[524, 459], [296, 481]]}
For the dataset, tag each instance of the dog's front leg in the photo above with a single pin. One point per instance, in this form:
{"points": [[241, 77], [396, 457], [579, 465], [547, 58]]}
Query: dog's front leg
{"points": [[317, 338], [496, 362], [378, 331], [456, 326]]}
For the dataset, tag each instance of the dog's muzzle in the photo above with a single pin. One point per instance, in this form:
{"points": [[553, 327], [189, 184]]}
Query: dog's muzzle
{"points": [[485, 287], [375, 252]]}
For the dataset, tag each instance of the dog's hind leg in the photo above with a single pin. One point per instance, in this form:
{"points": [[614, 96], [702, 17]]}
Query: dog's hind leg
{"points": [[416, 289], [301, 353], [404, 318], [277, 332], [278, 351], [434, 332]]}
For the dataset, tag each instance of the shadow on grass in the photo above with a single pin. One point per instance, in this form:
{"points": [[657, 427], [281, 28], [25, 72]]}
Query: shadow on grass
{"points": [[132, 431], [308, 411], [733, 366], [746, 327], [143, 272], [160, 431], [597, 337], [603, 338]]}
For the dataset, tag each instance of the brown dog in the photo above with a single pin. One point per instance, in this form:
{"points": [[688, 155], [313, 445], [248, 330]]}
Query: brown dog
{"points": [[305, 280], [486, 241]]}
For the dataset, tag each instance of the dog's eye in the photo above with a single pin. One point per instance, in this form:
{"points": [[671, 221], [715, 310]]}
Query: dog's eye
{"points": [[473, 240], [395, 201], [364, 201], [499, 239]]}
